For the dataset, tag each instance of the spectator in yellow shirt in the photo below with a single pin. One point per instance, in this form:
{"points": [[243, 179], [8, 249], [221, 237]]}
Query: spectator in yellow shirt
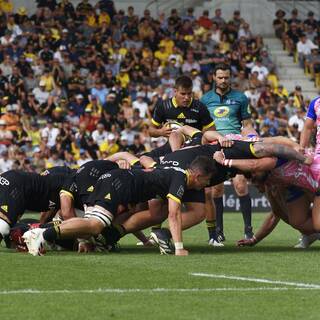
{"points": [[281, 91], [109, 147], [48, 80], [168, 43], [123, 77], [104, 17], [91, 19], [6, 6], [162, 55]]}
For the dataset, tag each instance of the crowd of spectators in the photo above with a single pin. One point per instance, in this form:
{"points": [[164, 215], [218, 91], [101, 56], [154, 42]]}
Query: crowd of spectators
{"points": [[80, 82], [301, 38]]}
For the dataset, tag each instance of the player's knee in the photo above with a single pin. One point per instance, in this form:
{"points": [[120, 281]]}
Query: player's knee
{"points": [[95, 226]]}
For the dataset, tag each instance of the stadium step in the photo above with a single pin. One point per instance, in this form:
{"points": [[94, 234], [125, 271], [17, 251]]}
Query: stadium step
{"points": [[290, 74]]}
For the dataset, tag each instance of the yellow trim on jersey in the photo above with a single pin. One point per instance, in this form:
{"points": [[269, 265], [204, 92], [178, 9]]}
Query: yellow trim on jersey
{"points": [[175, 104], [172, 197], [194, 132], [154, 122], [67, 193], [208, 125], [133, 162], [252, 150], [188, 176], [152, 165], [5, 218]]}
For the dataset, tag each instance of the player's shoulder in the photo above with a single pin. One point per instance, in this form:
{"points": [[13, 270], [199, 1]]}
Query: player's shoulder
{"points": [[164, 104], [315, 102]]}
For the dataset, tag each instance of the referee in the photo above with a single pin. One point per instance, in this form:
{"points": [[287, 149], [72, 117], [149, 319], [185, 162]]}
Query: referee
{"points": [[230, 110]]}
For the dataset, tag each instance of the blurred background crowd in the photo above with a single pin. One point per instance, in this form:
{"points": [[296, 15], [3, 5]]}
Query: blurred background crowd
{"points": [[80, 82]]}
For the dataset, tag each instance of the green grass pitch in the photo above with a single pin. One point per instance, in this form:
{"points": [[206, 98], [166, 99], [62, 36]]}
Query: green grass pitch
{"points": [[138, 283]]}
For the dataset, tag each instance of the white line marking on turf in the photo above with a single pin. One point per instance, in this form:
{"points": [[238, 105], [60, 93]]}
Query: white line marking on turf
{"points": [[287, 283], [152, 290]]}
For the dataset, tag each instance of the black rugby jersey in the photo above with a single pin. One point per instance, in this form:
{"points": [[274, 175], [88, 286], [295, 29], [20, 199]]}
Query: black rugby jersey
{"points": [[58, 170], [20, 191], [82, 183], [195, 115], [135, 186]]}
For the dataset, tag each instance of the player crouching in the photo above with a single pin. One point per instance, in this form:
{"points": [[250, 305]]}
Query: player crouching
{"points": [[118, 189]]}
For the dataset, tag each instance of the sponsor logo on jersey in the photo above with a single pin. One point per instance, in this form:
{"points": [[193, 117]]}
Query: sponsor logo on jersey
{"points": [[221, 112], [191, 121], [181, 116], [52, 204], [90, 189], [108, 196], [104, 176], [180, 192]]}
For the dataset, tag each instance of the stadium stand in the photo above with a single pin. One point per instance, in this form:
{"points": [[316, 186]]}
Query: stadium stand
{"points": [[80, 82]]}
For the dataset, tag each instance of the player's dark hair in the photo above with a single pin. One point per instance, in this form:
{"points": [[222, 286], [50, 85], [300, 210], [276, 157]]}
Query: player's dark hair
{"points": [[183, 82], [221, 66], [204, 164]]}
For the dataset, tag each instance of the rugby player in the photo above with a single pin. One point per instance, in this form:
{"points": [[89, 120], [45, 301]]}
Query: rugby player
{"points": [[121, 188], [195, 201], [78, 187], [313, 117], [292, 205], [20, 191], [231, 113], [278, 171], [182, 109]]}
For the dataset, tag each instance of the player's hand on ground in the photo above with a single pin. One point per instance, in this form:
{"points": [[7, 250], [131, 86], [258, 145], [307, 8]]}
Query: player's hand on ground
{"points": [[225, 142], [85, 247], [219, 157], [181, 252], [247, 242]]}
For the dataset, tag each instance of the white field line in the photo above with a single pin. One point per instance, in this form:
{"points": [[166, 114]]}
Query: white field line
{"points": [[154, 290], [286, 283]]}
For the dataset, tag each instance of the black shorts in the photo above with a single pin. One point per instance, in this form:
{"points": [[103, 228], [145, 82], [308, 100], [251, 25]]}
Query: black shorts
{"points": [[105, 197], [12, 204], [196, 140], [240, 150]]}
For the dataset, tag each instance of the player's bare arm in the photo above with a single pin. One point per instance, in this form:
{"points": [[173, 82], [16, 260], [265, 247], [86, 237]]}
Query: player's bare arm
{"points": [[175, 223], [306, 133], [66, 204], [248, 165], [281, 151]]}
